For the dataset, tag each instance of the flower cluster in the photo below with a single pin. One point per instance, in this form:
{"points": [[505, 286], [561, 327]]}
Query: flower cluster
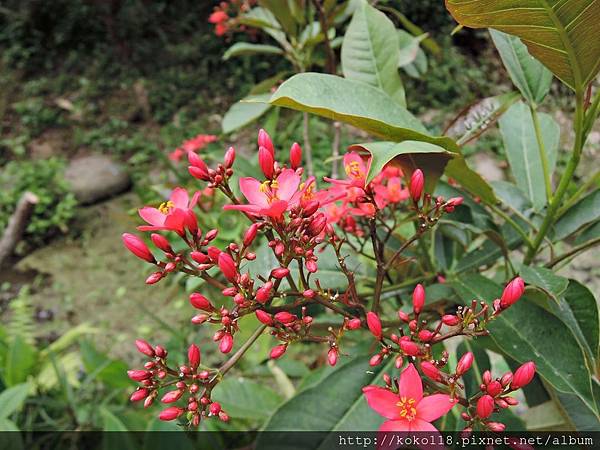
{"points": [[293, 218], [223, 16], [194, 144]]}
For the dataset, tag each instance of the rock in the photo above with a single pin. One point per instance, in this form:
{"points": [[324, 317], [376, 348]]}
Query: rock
{"points": [[487, 167], [96, 177]]}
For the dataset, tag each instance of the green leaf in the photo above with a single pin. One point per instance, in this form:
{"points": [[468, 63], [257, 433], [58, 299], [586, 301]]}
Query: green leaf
{"points": [[544, 417], [12, 440], [561, 34], [518, 134], [370, 52], [20, 361], [335, 403], [585, 211], [265, 20], [544, 279], [12, 399], [458, 169], [410, 155], [110, 421], [246, 48], [246, 399], [512, 197], [584, 308], [527, 332], [245, 112], [527, 73], [281, 10], [357, 104], [409, 47], [580, 415]]}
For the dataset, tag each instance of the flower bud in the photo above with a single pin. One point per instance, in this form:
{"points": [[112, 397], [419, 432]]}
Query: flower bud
{"points": [[403, 316], [139, 375], [280, 272], [417, 181], [332, 356], [194, 356], [485, 406], [161, 242], [523, 375], [250, 234], [264, 317], [399, 361], [172, 396], [171, 413], [506, 379], [285, 317], [409, 347], [262, 295], [376, 360], [160, 352], [295, 156], [154, 277], [199, 301], [496, 426], [265, 161], [215, 408], [200, 257], [418, 298], [197, 163], [450, 320], [353, 324], [226, 343], [455, 201], [229, 157], [278, 351], [464, 364], [487, 377], [138, 247], [512, 292], [310, 208], [227, 266], [494, 388], [309, 293], [317, 225], [144, 347], [138, 395], [426, 335], [374, 325], [264, 140], [431, 371]]}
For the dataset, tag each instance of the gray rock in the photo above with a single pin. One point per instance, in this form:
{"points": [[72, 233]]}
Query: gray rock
{"points": [[96, 177]]}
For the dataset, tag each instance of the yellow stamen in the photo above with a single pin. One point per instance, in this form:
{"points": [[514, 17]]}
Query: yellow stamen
{"points": [[166, 207], [408, 408]]}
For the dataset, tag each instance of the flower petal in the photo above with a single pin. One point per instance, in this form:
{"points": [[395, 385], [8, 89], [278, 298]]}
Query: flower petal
{"points": [[194, 200], [250, 209], [382, 401], [250, 187], [287, 182], [421, 425], [152, 215], [434, 406], [180, 198], [411, 385], [394, 425], [275, 209]]}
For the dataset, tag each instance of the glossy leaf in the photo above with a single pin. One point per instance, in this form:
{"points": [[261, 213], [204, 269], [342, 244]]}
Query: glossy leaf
{"points": [[544, 279], [584, 307], [458, 169], [370, 51], [560, 34], [409, 155], [282, 12], [527, 332], [518, 134], [264, 19], [578, 413], [585, 211], [246, 399], [355, 103], [409, 47], [527, 73], [245, 112], [12, 399], [247, 48]]}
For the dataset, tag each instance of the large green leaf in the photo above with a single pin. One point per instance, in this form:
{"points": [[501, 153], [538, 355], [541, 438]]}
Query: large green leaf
{"points": [[247, 48], [584, 308], [527, 332], [12, 399], [370, 51], [335, 403], [458, 169], [282, 12], [246, 399], [20, 361], [527, 73], [521, 145], [585, 211], [355, 103], [265, 20], [245, 112], [560, 33], [410, 155]]}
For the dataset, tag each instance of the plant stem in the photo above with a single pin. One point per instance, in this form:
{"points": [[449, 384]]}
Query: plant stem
{"points": [[330, 64], [512, 223], [582, 190], [337, 129], [542, 150], [307, 146], [564, 181], [580, 248], [243, 349]]}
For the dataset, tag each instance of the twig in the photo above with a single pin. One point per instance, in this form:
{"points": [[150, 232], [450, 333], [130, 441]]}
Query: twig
{"points": [[16, 225], [307, 146]]}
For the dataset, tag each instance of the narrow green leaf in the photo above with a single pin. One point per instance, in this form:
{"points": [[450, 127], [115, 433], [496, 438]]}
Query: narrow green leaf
{"points": [[357, 104], [518, 134], [245, 112], [12, 399], [584, 308], [247, 48], [20, 361], [370, 51], [527, 73], [585, 211], [545, 279]]}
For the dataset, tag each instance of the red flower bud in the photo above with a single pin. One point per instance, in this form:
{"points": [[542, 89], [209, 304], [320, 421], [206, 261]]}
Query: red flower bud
{"points": [[226, 343], [455, 201], [285, 317], [496, 426], [485, 406], [450, 320], [199, 301], [200, 257], [144, 347], [136, 246], [139, 375], [494, 388], [418, 298], [171, 413], [506, 379], [512, 292], [194, 356], [376, 360], [160, 352], [211, 235], [213, 253], [523, 375], [264, 317], [262, 295], [280, 272], [374, 325], [332, 356], [310, 208], [227, 266], [201, 169], [265, 161], [295, 156], [309, 293], [250, 234], [403, 316], [317, 225], [199, 319], [426, 335], [214, 408], [399, 361], [430, 370], [409, 347], [154, 277], [353, 324], [278, 351], [464, 364], [172, 396], [229, 157], [138, 395], [264, 140], [161, 242], [417, 181], [487, 377]]}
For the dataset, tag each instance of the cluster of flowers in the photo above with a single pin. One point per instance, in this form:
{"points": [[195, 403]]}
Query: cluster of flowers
{"points": [[223, 15], [194, 144], [297, 221]]}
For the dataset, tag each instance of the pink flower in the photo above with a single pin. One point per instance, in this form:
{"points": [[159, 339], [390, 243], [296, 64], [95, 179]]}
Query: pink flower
{"points": [[172, 215], [392, 193], [408, 410], [356, 171], [271, 198]]}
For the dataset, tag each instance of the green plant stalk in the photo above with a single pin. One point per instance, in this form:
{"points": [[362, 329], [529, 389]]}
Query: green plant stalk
{"points": [[577, 195], [542, 150], [564, 181], [574, 251]]}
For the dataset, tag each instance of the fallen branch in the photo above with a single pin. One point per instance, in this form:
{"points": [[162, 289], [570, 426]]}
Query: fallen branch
{"points": [[15, 228]]}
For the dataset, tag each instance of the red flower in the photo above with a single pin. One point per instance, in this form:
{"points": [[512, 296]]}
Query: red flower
{"points": [[172, 215], [356, 171], [408, 410]]}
